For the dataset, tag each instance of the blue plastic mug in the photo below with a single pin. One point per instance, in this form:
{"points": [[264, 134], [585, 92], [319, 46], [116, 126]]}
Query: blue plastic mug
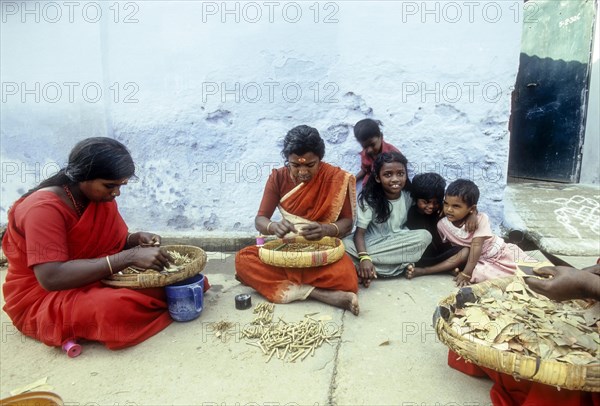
{"points": [[186, 298]]}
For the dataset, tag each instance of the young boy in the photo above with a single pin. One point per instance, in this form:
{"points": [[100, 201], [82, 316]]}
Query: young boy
{"points": [[369, 136]]}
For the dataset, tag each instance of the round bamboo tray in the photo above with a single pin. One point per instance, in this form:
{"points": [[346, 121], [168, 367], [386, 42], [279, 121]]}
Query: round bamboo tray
{"points": [[153, 279], [274, 252], [520, 366]]}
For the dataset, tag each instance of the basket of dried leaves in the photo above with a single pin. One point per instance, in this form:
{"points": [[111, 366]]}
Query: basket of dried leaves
{"points": [[298, 252], [503, 325], [188, 261]]}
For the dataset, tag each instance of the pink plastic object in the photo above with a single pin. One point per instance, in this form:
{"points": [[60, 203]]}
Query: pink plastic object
{"points": [[71, 348], [260, 241]]}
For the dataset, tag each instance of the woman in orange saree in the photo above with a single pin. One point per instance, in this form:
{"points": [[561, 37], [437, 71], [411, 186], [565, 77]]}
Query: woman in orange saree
{"points": [[63, 237], [321, 198]]}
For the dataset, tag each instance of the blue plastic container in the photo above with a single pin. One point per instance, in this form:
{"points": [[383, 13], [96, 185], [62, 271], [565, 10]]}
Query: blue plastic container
{"points": [[186, 298]]}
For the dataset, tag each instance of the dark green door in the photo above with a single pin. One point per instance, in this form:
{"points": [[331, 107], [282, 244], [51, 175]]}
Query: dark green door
{"points": [[550, 97]]}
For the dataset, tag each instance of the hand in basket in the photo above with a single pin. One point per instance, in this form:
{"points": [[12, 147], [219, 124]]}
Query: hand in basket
{"points": [[311, 231], [281, 228], [566, 283], [156, 258]]}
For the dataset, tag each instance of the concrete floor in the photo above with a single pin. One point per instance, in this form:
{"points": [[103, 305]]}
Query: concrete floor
{"points": [[186, 364], [561, 219]]}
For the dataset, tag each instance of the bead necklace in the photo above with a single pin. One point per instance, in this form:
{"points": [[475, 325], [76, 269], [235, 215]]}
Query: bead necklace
{"points": [[79, 208]]}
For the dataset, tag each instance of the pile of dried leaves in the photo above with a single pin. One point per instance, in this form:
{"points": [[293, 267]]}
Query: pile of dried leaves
{"points": [[519, 320]]}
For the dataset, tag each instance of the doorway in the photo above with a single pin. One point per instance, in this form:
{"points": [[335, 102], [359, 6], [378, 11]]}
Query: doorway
{"points": [[549, 103]]}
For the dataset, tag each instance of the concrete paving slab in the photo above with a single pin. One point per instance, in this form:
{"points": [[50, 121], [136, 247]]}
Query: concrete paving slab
{"points": [[578, 261], [560, 219], [387, 355], [392, 355]]}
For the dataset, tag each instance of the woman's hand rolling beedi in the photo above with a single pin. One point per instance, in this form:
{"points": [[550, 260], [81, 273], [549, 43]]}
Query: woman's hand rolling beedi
{"points": [[312, 231], [149, 239], [156, 258], [281, 228], [143, 239]]}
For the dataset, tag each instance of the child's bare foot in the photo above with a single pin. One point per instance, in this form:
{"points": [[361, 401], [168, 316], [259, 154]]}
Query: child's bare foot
{"points": [[337, 298], [413, 272]]}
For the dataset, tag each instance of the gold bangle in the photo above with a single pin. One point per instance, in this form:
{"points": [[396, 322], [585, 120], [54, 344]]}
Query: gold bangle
{"points": [[337, 232], [269, 225], [109, 265], [362, 253], [465, 275]]}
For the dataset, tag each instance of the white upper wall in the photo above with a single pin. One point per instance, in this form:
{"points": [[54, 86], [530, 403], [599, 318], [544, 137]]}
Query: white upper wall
{"points": [[203, 92]]}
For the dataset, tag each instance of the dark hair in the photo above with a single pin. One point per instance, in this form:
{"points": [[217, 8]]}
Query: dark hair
{"points": [[373, 193], [93, 158], [465, 189], [301, 140], [428, 186], [366, 129]]}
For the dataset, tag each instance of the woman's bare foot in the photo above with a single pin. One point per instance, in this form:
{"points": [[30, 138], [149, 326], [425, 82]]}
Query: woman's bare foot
{"points": [[337, 298]]}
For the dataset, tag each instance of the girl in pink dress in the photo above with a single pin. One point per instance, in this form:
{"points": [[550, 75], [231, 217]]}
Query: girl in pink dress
{"points": [[487, 255]]}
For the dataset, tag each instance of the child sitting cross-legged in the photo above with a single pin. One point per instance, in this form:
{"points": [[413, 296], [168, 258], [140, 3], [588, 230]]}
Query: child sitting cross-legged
{"points": [[487, 255], [382, 245]]}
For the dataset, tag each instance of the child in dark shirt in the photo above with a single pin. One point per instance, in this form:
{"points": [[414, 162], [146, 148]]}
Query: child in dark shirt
{"points": [[369, 136], [428, 194]]}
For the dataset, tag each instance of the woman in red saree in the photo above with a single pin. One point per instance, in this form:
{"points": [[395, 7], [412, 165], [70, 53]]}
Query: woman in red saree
{"points": [[560, 283], [315, 200], [63, 237]]}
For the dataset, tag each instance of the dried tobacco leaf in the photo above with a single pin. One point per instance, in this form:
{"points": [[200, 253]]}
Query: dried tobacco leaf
{"points": [[519, 320], [592, 314]]}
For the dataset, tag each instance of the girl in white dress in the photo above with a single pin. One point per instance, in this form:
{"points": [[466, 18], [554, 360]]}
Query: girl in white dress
{"points": [[382, 245]]}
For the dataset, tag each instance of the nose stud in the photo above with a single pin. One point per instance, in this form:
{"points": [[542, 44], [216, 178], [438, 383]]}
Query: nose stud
{"points": [[113, 194]]}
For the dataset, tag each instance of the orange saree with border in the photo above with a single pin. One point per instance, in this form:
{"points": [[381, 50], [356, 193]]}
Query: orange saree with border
{"points": [[329, 196], [41, 228]]}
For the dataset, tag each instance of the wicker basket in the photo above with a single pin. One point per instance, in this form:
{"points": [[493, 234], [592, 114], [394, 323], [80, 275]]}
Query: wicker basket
{"points": [[549, 372], [272, 254], [153, 279]]}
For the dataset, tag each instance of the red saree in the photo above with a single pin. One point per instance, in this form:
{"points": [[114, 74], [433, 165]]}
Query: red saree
{"points": [[330, 195], [41, 228], [507, 391]]}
